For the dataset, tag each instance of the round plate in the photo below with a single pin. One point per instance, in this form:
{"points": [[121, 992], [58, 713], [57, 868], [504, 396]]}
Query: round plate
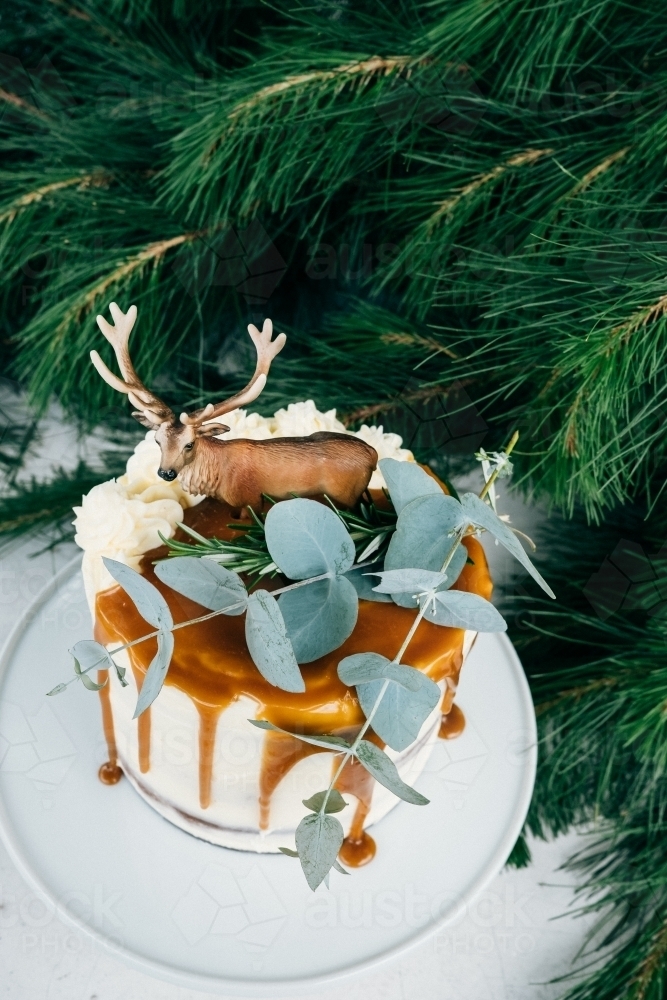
{"points": [[230, 921]]}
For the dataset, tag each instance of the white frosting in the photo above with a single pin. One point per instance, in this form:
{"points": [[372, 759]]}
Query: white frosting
{"points": [[124, 517]]}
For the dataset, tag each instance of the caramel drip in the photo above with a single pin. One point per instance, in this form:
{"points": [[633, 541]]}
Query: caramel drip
{"points": [[208, 722], [143, 725], [358, 848], [452, 724], [110, 772], [448, 699], [280, 753], [212, 666], [453, 720]]}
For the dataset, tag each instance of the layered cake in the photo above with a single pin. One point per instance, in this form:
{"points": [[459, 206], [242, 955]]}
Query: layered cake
{"points": [[192, 752], [193, 756]]}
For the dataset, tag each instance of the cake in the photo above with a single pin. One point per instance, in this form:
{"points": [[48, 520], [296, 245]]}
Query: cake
{"points": [[193, 756], [274, 679]]}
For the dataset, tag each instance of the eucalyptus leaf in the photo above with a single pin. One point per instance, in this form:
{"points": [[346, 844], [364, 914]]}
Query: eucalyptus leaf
{"points": [[459, 609], [156, 673], [58, 689], [401, 712], [320, 616], [410, 581], [363, 584], [406, 481], [456, 564], [149, 602], [204, 581], [335, 743], [318, 838], [360, 668], [295, 854], [384, 770], [87, 681], [406, 599], [269, 646], [424, 533], [306, 539], [481, 515], [335, 801], [91, 654]]}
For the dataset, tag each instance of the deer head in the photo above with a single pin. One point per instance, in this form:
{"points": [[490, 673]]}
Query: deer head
{"points": [[178, 436]]}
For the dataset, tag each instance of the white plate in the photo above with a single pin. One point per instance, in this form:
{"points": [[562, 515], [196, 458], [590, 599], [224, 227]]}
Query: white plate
{"points": [[229, 921]]}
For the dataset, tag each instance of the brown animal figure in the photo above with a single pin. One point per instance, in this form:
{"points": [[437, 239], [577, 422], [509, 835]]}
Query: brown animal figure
{"points": [[238, 472]]}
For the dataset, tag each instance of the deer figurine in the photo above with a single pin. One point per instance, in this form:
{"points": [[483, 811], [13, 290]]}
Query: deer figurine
{"points": [[240, 471]]}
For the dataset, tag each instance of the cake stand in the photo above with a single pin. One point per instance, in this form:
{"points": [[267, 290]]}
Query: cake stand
{"points": [[228, 921]]}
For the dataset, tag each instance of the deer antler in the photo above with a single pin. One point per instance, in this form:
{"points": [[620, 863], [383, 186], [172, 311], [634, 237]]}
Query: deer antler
{"points": [[151, 409], [266, 352]]}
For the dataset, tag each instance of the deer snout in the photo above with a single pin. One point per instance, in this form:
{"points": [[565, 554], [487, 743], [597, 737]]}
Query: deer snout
{"points": [[167, 474]]}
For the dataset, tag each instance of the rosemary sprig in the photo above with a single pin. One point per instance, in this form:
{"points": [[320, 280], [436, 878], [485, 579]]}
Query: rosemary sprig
{"points": [[370, 528]]}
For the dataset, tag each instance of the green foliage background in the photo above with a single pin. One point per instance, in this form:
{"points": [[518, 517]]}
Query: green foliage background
{"points": [[451, 206]]}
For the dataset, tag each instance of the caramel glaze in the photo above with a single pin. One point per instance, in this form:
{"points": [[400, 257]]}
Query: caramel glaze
{"points": [[109, 773], [453, 724], [212, 666]]}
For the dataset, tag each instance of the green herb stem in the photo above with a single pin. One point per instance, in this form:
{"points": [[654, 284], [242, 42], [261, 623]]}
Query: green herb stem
{"points": [[494, 475], [347, 754]]}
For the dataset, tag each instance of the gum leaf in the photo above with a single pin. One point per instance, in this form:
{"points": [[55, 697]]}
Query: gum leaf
{"points": [[406, 481], [458, 561], [204, 581], [411, 581], [401, 713], [335, 802], [319, 617], [424, 531], [363, 584], [361, 668], [481, 515], [149, 602], [459, 609], [318, 838], [87, 681], [269, 646], [336, 743], [156, 672], [384, 770], [306, 539], [92, 654]]}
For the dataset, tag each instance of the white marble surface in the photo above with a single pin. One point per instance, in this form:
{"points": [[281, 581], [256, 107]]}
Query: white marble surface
{"points": [[509, 944]]}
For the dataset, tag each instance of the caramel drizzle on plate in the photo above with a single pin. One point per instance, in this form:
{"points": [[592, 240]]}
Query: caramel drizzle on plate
{"points": [[212, 666]]}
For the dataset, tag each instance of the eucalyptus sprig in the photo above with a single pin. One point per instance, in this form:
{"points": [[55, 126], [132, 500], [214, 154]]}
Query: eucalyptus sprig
{"points": [[310, 544], [370, 528]]}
